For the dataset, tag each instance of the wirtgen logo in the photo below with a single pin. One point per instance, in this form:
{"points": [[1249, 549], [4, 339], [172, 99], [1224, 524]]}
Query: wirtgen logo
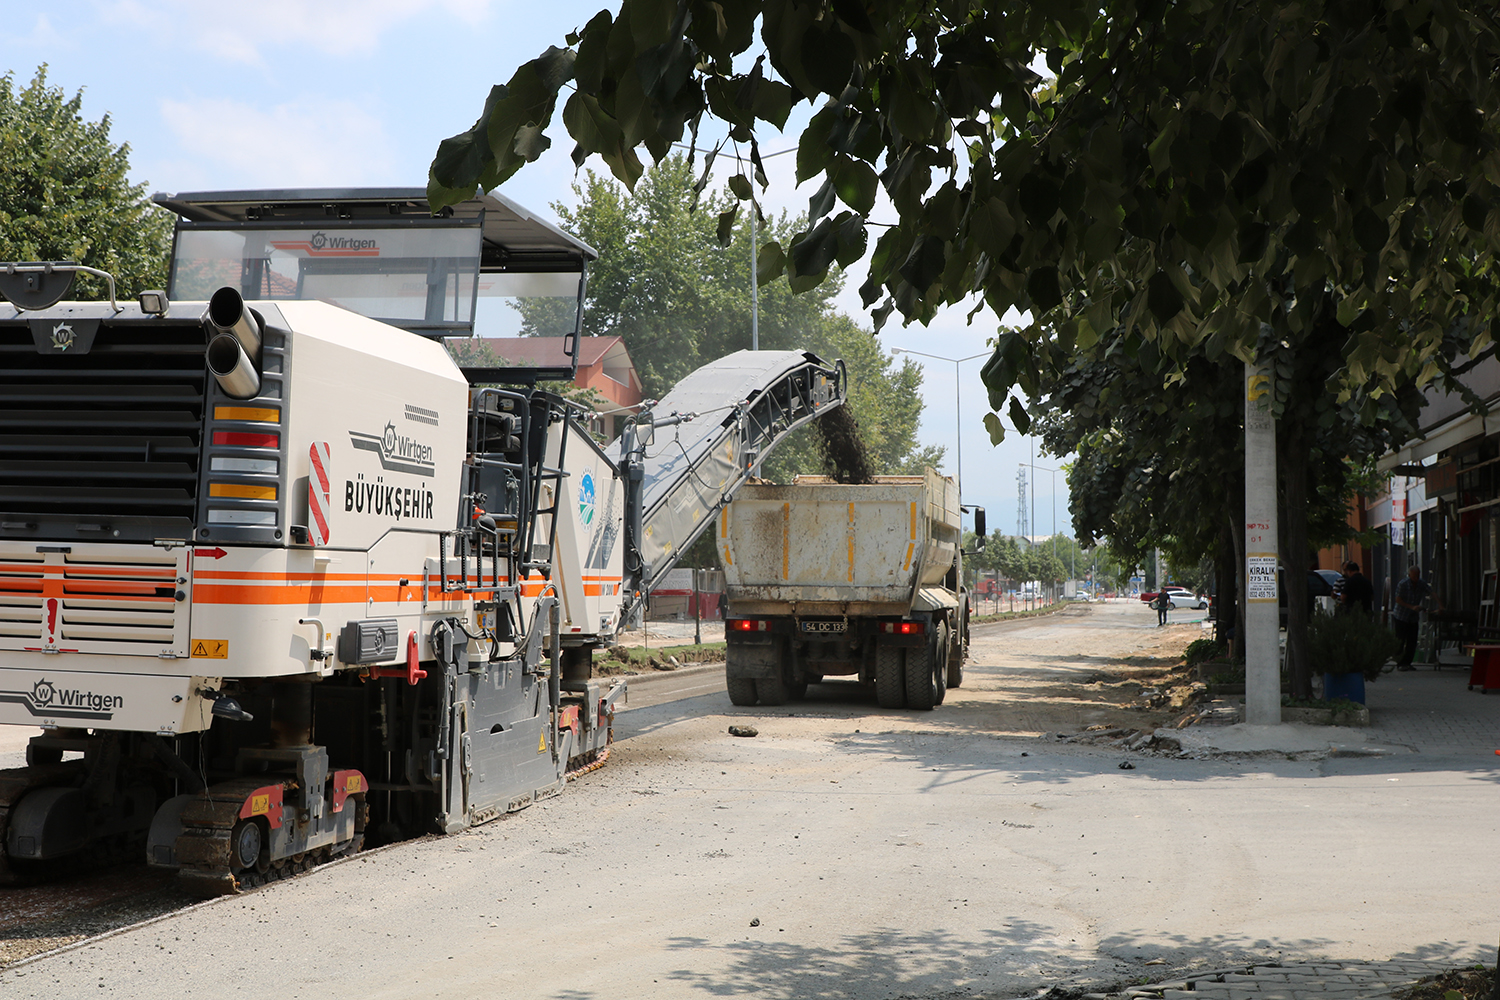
{"points": [[321, 244], [46, 700], [398, 453]]}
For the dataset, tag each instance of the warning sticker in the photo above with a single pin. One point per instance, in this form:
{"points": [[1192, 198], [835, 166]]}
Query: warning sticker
{"points": [[541, 746], [211, 649], [1260, 578]]}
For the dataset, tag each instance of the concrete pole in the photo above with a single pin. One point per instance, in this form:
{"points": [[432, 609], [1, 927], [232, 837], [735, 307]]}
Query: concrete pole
{"points": [[1262, 620], [754, 293]]}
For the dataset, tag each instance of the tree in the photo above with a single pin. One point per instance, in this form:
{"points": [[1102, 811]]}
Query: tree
{"points": [[668, 284], [1310, 185], [65, 193], [676, 287]]}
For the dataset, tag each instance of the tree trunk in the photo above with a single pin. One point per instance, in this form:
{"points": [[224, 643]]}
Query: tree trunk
{"points": [[1293, 452], [1226, 586]]}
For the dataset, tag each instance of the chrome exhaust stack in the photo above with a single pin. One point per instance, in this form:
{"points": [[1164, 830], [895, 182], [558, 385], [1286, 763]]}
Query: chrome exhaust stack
{"points": [[232, 367], [235, 344]]}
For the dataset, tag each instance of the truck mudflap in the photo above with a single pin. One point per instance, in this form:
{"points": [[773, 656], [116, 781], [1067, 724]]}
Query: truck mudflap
{"points": [[934, 599], [143, 703], [754, 656]]}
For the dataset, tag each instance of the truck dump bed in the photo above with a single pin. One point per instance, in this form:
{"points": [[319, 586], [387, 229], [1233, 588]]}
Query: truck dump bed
{"points": [[818, 547]]}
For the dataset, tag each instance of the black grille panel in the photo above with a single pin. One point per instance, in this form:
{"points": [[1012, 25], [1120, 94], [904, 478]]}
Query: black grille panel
{"points": [[104, 444]]}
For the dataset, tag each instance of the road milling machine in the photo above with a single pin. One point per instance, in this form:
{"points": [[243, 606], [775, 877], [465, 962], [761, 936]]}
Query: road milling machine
{"points": [[279, 578]]}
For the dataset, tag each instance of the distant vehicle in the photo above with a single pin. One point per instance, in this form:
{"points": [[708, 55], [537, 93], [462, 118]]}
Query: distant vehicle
{"points": [[1180, 597]]}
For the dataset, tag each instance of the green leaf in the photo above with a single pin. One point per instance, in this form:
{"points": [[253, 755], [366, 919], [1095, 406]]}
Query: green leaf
{"points": [[814, 153], [740, 185], [530, 143], [1042, 285], [1254, 238], [1370, 231], [726, 224], [852, 238], [856, 184], [1163, 298], [828, 59], [995, 427], [821, 203], [1038, 197], [1100, 240], [770, 262], [1019, 416], [812, 252], [773, 102]]}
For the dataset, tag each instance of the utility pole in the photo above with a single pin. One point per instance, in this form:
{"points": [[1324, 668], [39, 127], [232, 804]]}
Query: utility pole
{"points": [[754, 293], [1262, 624]]}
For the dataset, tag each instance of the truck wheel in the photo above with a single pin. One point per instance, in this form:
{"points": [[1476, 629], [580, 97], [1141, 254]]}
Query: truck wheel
{"points": [[772, 690], [741, 690], [955, 669], [921, 678], [890, 677], [943, 650]]}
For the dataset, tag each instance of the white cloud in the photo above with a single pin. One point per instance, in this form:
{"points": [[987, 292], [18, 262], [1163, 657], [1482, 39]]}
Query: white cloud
{"points": [[41, 36], [238, 33], [307, 142]]}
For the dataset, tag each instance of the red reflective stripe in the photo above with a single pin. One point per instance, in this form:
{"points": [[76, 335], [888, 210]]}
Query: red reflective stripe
{"points": [[247, 439]]}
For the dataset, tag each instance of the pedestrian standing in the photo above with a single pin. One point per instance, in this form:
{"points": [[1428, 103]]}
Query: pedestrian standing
{"points": [[1161, 604], [1358, 594], [1407, 614]]}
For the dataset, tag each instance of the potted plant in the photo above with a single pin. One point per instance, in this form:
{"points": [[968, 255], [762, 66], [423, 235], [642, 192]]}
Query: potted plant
{"points": [[1350, 649]]}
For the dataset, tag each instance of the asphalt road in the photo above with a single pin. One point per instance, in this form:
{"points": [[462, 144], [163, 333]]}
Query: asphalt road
{"points": [[853, 852]]}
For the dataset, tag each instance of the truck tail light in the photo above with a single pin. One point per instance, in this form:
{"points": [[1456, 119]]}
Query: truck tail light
{"points": [[246, 439], [749, 625], [903, 628]]}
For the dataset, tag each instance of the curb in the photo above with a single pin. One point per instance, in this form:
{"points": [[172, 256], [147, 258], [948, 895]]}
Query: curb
{"points": [[657, 675]]}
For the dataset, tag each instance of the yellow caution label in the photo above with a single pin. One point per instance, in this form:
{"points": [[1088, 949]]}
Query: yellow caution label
{"points": [[541, 743], [211, 649], [353, 784], [260, 805]]}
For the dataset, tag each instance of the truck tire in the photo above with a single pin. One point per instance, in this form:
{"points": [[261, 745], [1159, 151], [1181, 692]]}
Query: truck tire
{"points": [[958, 649], [741, 690], [921, 678], [772, 690], [943, 649], [890, 677]]}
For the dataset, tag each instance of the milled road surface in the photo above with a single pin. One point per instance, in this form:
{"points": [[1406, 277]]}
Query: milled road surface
{"points": [[853, 852]]}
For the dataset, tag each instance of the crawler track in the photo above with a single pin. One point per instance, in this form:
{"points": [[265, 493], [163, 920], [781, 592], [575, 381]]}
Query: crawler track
{"points": [[206, 856]]}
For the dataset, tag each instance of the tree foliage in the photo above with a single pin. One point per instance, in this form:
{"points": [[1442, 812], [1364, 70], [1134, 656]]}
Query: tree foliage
{"points": [[1310, 185], [65, 193], [668, 284]]}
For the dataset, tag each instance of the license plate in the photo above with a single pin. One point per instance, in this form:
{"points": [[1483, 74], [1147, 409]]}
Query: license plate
{"points": [[825, 627]]}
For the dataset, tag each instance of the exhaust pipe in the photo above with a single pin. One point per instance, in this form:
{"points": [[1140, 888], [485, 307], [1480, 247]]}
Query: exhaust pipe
{"points": [[235, 344], [227, 313], [231, 366]]}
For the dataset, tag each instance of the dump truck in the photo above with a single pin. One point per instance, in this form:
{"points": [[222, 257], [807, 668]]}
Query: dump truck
{"points": [[858, 580], [279, 578]]}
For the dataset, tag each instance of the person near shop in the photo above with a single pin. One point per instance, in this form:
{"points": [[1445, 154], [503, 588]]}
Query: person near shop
{"points": [[1358, 594], [1406, 613]]}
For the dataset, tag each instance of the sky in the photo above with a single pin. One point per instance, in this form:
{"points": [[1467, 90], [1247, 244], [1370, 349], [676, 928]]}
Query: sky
{"points": [[355, 93]]}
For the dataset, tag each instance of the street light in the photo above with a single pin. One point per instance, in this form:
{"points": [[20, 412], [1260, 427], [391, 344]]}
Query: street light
{"points": [[1074, 571], [958, 403]]}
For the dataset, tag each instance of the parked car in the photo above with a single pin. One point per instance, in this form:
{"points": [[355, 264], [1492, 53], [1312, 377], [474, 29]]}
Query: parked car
{"points": [[1181, 597]]}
